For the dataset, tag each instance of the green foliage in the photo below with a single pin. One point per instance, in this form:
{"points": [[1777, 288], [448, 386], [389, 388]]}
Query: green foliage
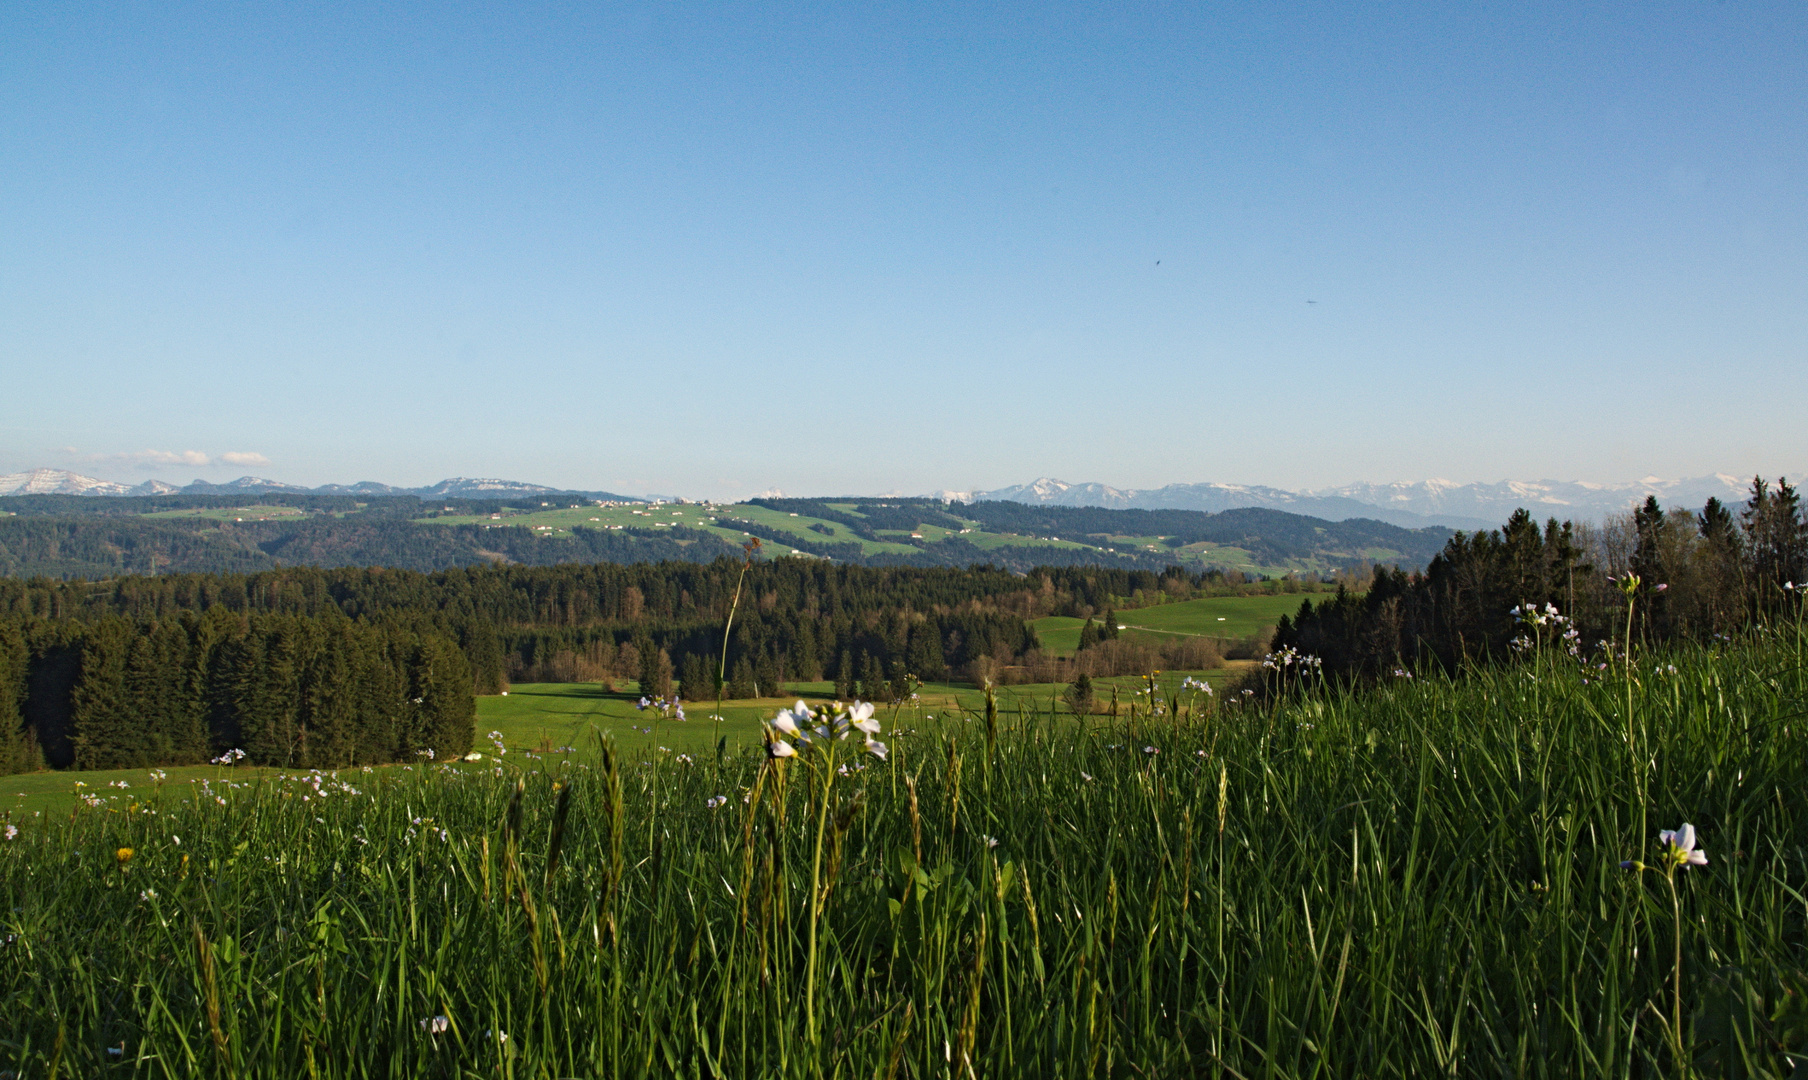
{"points": [[1410, 881]]}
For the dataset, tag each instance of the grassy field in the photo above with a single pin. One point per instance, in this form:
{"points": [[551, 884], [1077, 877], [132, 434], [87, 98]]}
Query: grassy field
{"points": [[1215, 617], [543, 719], [233, 513], [1421, 879]]}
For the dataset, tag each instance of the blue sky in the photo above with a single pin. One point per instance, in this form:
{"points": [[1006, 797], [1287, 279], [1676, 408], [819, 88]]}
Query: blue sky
{"points": [[711, 249]]}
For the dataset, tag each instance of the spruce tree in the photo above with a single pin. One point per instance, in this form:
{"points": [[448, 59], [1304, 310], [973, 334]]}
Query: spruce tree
{"points": [[1108, 632], [655, 673], [872, 679], [100, 714], [900, 688], [741, 683], [769, 676], [844, 677], [696, 678], [1079, 695], [924, 658], [18, 750]]}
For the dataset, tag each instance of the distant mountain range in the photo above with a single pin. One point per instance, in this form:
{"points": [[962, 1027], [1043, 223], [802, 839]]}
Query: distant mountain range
{"points": [[63, 482], [1428, 502], [1414, 505]]}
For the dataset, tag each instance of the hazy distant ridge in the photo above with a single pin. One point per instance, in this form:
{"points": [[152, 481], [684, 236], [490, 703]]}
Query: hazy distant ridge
{"points": [[1426, 502]]}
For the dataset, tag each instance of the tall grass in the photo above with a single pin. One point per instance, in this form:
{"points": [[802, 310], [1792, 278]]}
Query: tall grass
{"points": [[1417, 880]]}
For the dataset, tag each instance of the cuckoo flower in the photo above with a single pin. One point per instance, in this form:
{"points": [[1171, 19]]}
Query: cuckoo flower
{"points": [[1679, 847], [801, 727]]}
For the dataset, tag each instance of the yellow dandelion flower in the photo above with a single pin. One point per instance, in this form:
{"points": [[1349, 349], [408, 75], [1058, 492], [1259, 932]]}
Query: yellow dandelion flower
{"points": [[124, 855]]}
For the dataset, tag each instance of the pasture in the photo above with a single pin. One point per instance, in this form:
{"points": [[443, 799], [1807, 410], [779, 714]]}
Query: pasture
{"points": [[547, 723], [1423, 878], [233, 513], [1229, 617]]}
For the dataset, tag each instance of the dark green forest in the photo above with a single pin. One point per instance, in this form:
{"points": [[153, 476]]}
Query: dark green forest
{"points": [[108, 546], [289, 690]]}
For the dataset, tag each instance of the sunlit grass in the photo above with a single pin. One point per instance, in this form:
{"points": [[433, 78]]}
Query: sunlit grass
{"points": [[1421, 879]]}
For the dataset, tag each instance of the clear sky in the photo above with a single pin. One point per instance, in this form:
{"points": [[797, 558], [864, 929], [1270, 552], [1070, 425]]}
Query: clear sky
{"points": [[713, 248]]}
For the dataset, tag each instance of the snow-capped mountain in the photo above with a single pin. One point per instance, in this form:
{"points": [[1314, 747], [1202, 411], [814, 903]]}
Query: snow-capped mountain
{"points": [[1544, 498], [460, 487], [64, 482], [1427, 502]]}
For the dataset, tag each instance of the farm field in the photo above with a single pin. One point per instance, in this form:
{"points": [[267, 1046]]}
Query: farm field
{"points": [[1430, 877], [1214, 617]]}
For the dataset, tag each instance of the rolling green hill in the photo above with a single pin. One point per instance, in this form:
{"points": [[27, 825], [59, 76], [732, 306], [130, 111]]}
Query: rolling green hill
{"points": [[98, 537]]}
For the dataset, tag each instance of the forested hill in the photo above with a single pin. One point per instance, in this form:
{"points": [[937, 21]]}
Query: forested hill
{"points": [[101, 537], [1268, 538]]}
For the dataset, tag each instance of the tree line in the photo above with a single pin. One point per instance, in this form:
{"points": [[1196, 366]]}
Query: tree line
{"points": [[1676, 574], [290, 690], [102, 546]]}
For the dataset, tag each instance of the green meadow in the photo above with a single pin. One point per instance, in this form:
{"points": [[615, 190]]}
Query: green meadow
{"points": [[233, 513], [544, 724], [1451, 877], [1212, 617]]}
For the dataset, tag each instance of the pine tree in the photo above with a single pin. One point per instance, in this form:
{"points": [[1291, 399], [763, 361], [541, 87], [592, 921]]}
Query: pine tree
{"points": [[1108, 632], [1089, 636]]}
